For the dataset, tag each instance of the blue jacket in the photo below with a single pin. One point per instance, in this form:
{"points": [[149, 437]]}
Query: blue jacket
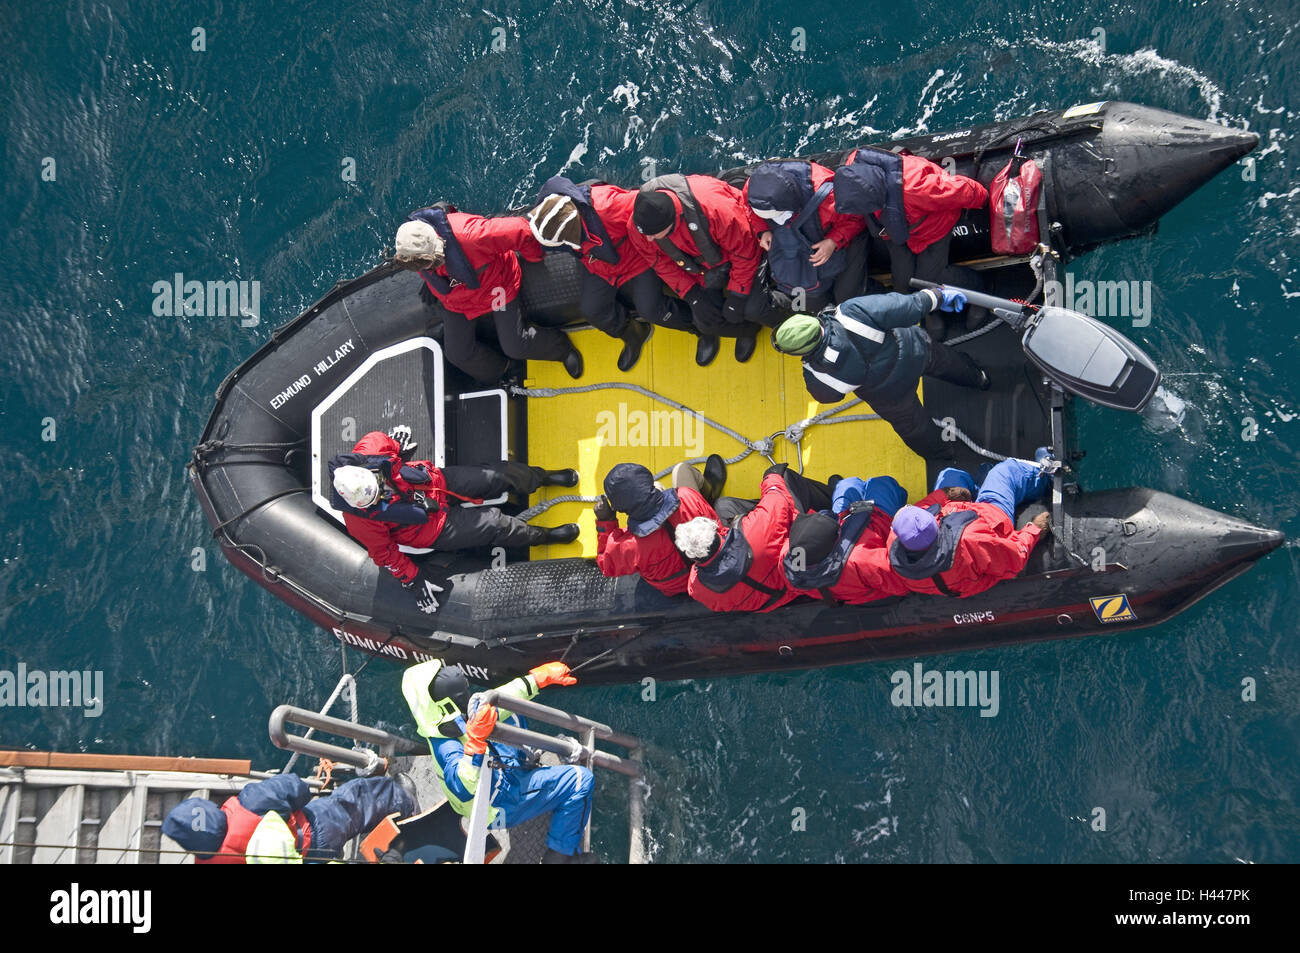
{"points": [[872, 346]]}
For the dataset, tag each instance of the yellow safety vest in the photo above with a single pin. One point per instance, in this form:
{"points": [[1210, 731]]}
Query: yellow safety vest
{"points": [[272, 843]]}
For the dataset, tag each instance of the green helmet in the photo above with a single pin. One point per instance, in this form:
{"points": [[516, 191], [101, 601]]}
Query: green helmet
{"points": [[797, 334]]}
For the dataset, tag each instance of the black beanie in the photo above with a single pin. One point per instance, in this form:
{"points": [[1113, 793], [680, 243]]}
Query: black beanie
{"points": [[815, 534], [653, 212]]}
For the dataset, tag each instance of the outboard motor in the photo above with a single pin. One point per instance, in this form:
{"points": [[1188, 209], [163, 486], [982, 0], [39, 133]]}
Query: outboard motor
{"points": [[1080, 354]]}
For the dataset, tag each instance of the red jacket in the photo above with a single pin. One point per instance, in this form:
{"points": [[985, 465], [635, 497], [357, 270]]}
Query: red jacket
{"points": [[933, 200], [840, 228], [613, 206], [490, 245], [991, 550], [381, 538], [240, 824], [767, 530], [655, 557], [728, 216], [863, 579]]}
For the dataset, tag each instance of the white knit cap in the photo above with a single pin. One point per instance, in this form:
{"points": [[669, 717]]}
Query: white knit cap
{"points": [[694, 538], [357, 486], [417, 241]]}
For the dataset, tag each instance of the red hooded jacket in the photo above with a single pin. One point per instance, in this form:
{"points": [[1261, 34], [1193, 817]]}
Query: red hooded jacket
{"points": [[933, 200], [381, 538], [613, 206], [863, 580], [728, 216], [836, 226], [240, 824], [991, 550], [766, 529], [655, 557], [490, 245]]}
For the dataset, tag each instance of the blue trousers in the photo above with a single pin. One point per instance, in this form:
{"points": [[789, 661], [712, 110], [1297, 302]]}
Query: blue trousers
{"points": [[356, 807], [564, 790], [1011, 483], [884, 490]]}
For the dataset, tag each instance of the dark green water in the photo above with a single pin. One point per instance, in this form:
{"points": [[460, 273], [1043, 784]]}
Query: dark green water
{"points": [[226, 164]]}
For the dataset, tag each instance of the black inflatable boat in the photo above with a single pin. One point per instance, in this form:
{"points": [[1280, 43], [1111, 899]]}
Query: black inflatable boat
{"points": [[1118, 559]]}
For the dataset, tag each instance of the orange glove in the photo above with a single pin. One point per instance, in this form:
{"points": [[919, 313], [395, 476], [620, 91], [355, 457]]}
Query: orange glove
{"points": [[478, 728], [552, 673]]}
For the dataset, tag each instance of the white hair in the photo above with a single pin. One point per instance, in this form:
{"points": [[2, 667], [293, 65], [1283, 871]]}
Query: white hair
{"points": [[694, 538]]}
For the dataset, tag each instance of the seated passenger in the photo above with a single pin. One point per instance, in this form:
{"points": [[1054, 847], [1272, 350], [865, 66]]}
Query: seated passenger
{"points": [[737, 568], [469, 264], [827, 557], [695, 231], [911, 205], [811, 246], [387, 502], [592, 220], [960, 548], [646, 546]]}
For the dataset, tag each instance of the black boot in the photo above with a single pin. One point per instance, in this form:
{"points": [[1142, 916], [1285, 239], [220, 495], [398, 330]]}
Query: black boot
{"points": [[745, 347], [975, 315], [706, 349], [573, 363], [936, 326], [555, 477], [559, 534], [634, 338], [715, 478]]}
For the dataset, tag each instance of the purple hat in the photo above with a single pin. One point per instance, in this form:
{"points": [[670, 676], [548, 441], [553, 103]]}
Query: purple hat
{"points": [[915, 528]]}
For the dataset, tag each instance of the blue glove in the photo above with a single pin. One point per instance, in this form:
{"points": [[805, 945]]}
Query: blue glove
{"points": [[950, 300], [847, 492]]}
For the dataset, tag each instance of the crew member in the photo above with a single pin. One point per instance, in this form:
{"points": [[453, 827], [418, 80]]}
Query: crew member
{"points": [[646, 546], [695, 229], [911, 205], [827, 554], [592, 221], [872, 346], [470, 265], [290, 825], [737, 568], [963, 548], [815, 253], [387, 502], [458, 729]]}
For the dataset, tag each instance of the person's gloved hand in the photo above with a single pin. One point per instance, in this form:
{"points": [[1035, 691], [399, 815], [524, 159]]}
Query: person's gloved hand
{"points": [[425, 502], [703, 309], [414, 583], [604, 510], [950, 300], [402, 435], [479, 726], [734, 310], [552, 673]]}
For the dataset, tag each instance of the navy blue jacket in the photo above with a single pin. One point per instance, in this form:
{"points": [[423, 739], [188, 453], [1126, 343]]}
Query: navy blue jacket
{"points": [[871, 346]]}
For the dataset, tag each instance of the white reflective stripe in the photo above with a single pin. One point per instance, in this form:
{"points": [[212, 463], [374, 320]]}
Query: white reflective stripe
{"points": [[857, 327], [831, 354], [834, 383]]}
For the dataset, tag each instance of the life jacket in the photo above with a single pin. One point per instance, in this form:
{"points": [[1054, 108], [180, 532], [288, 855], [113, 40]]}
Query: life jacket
{"points": [[456, 262], [824, 575], [392, 488], [1014, 197], [603, 247], [877, 174], [938, 559], [710, 254], [838, 362], [730, 567], [240, 825], [272, 842], [787, 259]]}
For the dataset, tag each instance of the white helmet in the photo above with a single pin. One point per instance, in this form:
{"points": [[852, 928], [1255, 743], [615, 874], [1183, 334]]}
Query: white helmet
{"points": [[695, 537], [417, 241], [357, 486]]}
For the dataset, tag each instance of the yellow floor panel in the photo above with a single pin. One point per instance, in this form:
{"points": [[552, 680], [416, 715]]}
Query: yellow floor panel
{"points": [[595, 431]]}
